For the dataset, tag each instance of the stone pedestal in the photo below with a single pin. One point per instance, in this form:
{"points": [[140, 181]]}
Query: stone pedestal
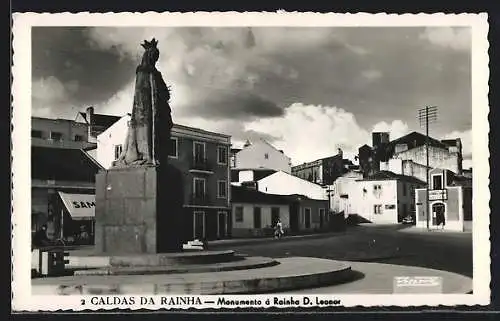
{"points": [[133, 214]]}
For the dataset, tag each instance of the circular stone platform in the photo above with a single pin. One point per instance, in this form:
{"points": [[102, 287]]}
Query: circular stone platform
{"points": [[166, 259], [253, 262], [291, 273]]}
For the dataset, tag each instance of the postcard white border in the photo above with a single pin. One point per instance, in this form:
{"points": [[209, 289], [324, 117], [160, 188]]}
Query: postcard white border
{"points": [[21, 89]]}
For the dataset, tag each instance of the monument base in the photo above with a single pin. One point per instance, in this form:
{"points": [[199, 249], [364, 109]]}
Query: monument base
{"points": [[131, 214]]}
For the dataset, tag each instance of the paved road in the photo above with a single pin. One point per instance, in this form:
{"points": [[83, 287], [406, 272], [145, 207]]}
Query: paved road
{"points": [[384, 244]]}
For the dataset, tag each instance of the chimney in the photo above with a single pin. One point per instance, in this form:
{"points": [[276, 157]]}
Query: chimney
{"points": [[89, 115], [340, 152]]}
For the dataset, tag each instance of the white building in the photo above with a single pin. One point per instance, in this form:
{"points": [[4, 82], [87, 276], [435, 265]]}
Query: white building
{"points": [[449, 202], [110, 142], [343, 192], [255, 213], [385, 197], [261, 154]]}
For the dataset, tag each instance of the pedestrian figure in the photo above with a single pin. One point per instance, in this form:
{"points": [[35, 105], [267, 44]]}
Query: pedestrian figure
{"points": [[278, 233]]}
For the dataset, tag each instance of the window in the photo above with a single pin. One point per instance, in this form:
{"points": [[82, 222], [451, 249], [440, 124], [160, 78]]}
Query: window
{"points": [[199, 187], [118, 151], [56, 136], [266, 156], [257, 223], [275, 215], [238, 214], [199, 152], [377, 209], [172, 150], [307, 217], [78, 138], [437, 182], [222, 155], [221, 189], [377, 190], [36, 133]]}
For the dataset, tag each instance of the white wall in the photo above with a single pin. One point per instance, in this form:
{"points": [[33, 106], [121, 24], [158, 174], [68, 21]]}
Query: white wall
{"points": [[394, 165], [245, 176], [282, 183], [106, 141], [365, 202], [253, 156], [438, 158], [345, 185], [406, 197]]}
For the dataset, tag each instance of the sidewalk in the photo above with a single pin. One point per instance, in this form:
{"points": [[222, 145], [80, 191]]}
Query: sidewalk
{"points": [[423, 230]]}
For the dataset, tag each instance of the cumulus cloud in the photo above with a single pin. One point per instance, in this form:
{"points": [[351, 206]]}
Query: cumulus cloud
{"points": [[309, 132], [372, 74], [49, 92], [455, 38], [396, 128]]}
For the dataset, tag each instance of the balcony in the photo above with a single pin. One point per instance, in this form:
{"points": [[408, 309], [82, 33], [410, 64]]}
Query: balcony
{"points": [[201, 165], [199, 199]]}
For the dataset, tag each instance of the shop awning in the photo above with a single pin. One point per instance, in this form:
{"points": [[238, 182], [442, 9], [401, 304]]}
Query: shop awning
{"points": [[79, 206]]}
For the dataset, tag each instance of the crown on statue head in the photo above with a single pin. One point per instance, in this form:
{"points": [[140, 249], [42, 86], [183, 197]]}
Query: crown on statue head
{"points": [[149, 44]]}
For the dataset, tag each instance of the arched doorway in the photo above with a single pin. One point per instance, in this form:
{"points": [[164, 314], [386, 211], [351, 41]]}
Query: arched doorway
{"points": [[438, 214]]}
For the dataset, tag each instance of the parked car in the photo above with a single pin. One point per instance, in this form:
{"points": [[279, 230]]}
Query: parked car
{"points": [[408, 220]]}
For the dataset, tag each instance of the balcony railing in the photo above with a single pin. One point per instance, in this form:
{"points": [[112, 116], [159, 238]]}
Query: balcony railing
{"points": [[199, 199], [201, 164]]}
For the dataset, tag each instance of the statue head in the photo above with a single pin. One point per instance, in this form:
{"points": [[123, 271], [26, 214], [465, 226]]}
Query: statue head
{"points": [[151, 54]]}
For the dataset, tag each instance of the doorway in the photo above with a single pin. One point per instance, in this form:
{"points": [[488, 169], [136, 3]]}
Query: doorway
{"points": [[257, 222], [307, 217], [294, 218], [321, 217], [438, 214], [222, 225], [199, 225]]}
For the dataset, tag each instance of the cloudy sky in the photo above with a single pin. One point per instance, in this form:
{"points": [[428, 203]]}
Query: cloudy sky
{"points": [[308, 91]]}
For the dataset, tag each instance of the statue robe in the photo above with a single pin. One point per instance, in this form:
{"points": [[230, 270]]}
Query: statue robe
{"points": [[147, 140]]}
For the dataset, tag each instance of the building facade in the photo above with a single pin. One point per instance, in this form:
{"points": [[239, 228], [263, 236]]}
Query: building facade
{"points": [[405, 167], [201, 158], [59, 133], [255, 213], [322, 171], [260, 154], [438, 158], [61, 170], [308, 215], [411, 147], [344, 192], [385, 197], [450, 201]]}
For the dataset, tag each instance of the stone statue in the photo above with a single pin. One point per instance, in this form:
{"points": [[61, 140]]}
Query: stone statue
{"points": [[148, 136]]}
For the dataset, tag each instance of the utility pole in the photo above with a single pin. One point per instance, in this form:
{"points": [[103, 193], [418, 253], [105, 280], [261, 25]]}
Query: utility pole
{"points": [[425, 116]]}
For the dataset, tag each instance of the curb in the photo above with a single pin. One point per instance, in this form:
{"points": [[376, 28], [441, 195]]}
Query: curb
{"points": [[235, 241]]}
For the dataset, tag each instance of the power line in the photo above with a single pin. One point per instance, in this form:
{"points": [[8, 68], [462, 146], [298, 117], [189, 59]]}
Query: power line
{"points": [[426, 116]]}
